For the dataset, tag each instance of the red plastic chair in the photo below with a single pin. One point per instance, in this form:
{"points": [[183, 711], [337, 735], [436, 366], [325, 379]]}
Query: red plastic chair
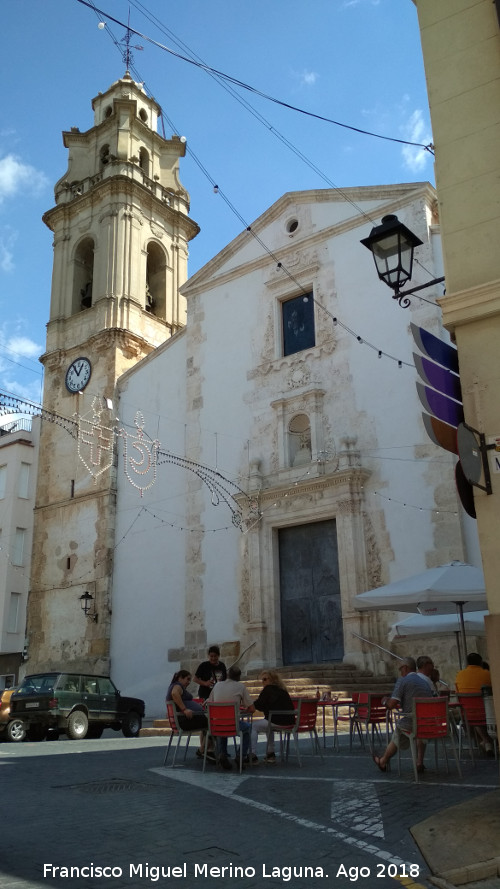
{"points": [[305, 715], [431, 722], [472, 714], [176, 732], [369, 716], [224, 722]]}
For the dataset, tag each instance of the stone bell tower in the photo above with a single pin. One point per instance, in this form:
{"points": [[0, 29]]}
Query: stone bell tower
{"points": [[121, 232]]}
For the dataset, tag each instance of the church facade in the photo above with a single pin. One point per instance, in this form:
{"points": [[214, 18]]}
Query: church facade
{"points": [[247, 452]]}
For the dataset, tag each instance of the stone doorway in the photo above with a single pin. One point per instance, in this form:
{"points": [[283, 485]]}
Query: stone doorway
{"points": [[311, 612]]}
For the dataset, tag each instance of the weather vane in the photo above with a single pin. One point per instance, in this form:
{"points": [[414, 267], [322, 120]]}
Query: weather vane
{"points": [[127, 52]]}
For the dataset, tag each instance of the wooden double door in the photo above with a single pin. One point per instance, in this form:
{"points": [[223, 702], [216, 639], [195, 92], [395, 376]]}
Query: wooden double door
{"points": [[311, 613]]}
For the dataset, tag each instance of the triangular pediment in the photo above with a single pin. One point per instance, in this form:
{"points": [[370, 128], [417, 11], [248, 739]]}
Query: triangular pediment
{"points": [[301, 217]]}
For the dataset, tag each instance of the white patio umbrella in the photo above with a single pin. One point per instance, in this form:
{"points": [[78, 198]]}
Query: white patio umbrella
{"points": [[429, 625], [455, 586]]}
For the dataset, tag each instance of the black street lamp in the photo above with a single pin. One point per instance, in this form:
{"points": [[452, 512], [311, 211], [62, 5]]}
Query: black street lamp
{"points": [[85, 601], [393, 245]]}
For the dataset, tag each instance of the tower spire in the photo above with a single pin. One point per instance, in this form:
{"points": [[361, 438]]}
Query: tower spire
{"points": [[127, 55]]}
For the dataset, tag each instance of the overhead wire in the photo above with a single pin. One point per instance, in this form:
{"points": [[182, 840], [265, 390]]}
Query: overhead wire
{"points": [[362, 340], [250, 108], [222, 78], [381, 353], [234, 80]]}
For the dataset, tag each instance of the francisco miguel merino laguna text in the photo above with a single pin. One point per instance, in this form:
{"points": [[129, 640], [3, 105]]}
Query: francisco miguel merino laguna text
{"points": [[161, 872]]}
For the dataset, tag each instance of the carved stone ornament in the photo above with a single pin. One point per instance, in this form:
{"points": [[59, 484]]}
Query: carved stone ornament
{"points": [[298, 376], [156, 230], [303, 262]]}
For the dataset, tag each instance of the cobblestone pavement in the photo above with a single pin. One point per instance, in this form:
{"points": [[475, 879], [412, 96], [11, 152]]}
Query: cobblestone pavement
{"points": [[110, 804]]}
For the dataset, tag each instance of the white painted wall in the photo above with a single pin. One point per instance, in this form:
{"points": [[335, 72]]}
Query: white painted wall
{"points": [[209, 393]]}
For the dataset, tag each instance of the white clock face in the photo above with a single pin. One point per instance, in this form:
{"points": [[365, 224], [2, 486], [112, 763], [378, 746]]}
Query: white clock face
{"points": [[78, 374]]}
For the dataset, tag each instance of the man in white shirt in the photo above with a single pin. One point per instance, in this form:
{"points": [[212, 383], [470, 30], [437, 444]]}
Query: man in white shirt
{"points": [[425, 667], [229, 691]]}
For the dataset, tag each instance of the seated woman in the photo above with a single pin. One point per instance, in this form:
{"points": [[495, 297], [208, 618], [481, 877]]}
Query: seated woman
{"points": [[191, 716], [274, 696]]}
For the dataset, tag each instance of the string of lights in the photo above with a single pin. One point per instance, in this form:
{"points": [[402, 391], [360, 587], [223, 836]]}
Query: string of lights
{"points": [[251, 110], [234, 80], [336, 321], [239, 99], [220, 487], [183, 528], [407, 505], [86, 576]]}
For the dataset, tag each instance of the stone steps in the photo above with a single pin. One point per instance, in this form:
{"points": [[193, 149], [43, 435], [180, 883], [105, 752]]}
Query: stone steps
{"points": [[303, 681]]}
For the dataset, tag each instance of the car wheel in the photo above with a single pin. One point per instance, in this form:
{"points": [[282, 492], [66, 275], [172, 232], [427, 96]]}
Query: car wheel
{"points": [[131, 725], [78, 725], [95, 731], [15, 731]]}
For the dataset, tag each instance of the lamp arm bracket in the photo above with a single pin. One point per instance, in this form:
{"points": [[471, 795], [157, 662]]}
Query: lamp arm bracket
{"points": [[398, 294]]}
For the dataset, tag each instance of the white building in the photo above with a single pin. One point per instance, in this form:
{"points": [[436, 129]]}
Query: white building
{"points": [[18, 467], [293, 469], [294, 379]]}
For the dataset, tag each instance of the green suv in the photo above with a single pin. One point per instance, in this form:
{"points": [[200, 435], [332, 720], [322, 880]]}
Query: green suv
{"points": [[78, 704]]}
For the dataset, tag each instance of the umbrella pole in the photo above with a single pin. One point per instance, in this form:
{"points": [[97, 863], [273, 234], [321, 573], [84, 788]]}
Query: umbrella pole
{"points": [[463, 647], [459, 648]]}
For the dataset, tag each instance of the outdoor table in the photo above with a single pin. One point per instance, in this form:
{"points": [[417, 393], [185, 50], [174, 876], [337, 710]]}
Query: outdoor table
{"points": [[341, 702], [331, 702]]}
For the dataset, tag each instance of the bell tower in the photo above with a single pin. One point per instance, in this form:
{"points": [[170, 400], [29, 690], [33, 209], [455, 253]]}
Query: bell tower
{"points": [[121, 231]]}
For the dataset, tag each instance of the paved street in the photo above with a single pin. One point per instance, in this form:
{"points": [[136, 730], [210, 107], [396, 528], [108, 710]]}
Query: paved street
{"points": [[109, 804]]}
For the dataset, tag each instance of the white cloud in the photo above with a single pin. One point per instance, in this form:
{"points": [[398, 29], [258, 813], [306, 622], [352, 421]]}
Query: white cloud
{"points": [[309, 77], [29, 392], [15, 175], [348, 3], [8, 238], [24, 347], [305, 77], [416, 130]]}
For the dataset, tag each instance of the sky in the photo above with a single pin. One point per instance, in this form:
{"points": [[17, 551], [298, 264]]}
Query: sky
{"points": [[358, 62]]}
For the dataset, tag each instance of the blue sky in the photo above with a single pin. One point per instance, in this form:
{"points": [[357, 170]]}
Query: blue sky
{"points": [[355, 61]]}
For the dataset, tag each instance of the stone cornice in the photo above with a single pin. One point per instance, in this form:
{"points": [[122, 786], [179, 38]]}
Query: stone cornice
{"points": [[107, 338], [299, 396], [121, 187], [473, 304], [353, 477]]}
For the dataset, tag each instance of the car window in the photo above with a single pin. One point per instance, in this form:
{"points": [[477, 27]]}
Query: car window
{"points": [[69, 683], [33, 684], [106, 687], [90, 685]]}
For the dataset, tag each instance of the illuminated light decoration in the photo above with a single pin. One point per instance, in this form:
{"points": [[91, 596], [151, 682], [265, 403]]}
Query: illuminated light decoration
{"points": [[95, 442], [9, 404], [218, 485], [141, 472], [96, 449]]}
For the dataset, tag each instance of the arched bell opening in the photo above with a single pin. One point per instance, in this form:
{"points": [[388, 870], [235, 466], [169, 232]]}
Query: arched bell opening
{"points": [[83, 275], [156, 282]]}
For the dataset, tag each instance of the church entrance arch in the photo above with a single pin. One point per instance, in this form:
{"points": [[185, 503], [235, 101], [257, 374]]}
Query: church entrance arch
{"points": [[311, 611]]}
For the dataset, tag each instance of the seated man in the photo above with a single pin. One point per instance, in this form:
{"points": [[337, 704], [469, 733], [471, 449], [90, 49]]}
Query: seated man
{"points": [[470, 682], [228, 691], [407, 687]]}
